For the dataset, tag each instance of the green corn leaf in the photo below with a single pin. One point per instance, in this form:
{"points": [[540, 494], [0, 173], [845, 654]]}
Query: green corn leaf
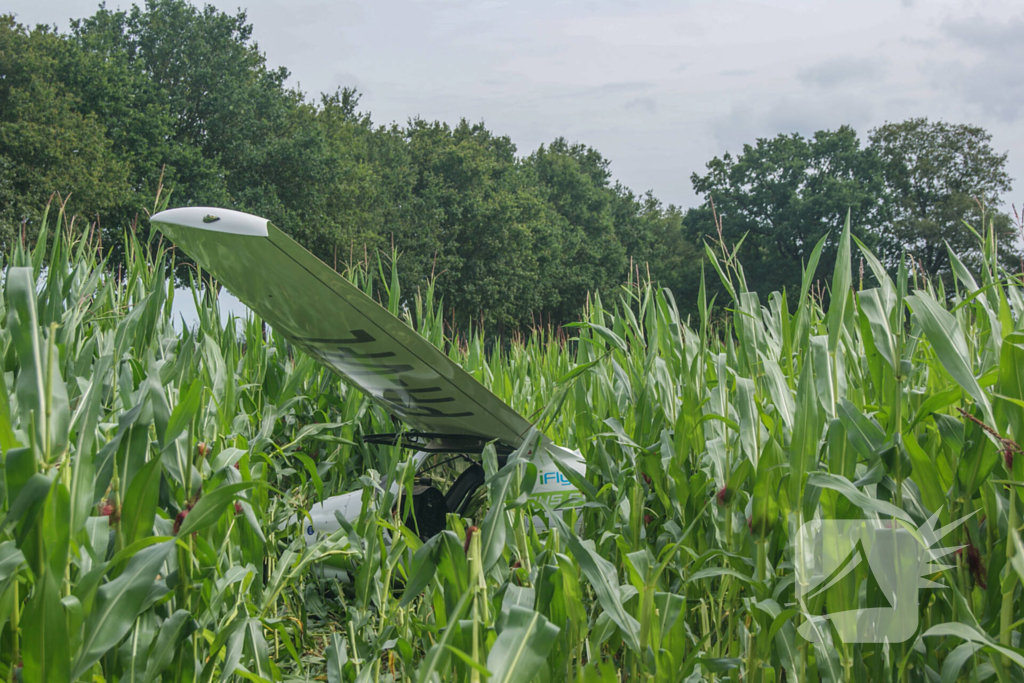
{"points": [[29, 509], [492, 529], [613, 340], [522, 646], [286, 638], [878, 323], [421, 570], [781, 632], [310, 466], [827, 657], [863, 432], [604, 579], [337, 657], [973, 635], [925, 474], [937, 402], [718, 572], [257, 650], [719, 665], [211, 506], [437, 655], [878, 270], [855, 495], [977, 459], [469, 661], [1011, 383], [227, 458], [961, 271], [764, 507], [11, 560], [801, 321], [808, 422], [782, 396], [173, 633], [947, 338], [841, 283], [158, 400], [750, 419], [573, 595], [726, 281], [140, 502], [7, 439], [824, 375], [183, 413], [104, 460], [56, 531], [83, 464], [36, 370], [45, 652], [233, 653], [956, 659], [118, 604]]}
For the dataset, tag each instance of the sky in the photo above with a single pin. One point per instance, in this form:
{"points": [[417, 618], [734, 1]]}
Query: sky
{"points": [[659, 88]]}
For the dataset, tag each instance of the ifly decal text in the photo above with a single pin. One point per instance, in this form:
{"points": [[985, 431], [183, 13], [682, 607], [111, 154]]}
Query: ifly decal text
{"points": [[553, 478]]}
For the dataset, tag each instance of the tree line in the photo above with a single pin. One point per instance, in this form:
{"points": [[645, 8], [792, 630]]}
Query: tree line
{"points": [[173, 95]]}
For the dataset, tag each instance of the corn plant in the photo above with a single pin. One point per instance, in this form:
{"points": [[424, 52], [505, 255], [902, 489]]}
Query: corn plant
{"points": [[153, 481]]}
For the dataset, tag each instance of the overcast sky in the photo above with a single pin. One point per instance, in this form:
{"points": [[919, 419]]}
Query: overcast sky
{"points": [[658, 87]]}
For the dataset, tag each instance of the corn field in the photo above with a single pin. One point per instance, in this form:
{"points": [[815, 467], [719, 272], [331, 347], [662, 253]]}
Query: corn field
{"points": [[153, 480]]}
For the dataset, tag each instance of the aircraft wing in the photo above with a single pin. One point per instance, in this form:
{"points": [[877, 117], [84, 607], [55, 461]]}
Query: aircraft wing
{"points": [[323, 314]]}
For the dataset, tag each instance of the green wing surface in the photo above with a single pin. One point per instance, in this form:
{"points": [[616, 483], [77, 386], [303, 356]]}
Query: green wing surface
{"points": [[323, 314]]}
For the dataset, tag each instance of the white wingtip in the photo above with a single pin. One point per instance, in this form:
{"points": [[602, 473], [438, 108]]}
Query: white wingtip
{"points": [[225, 221]]}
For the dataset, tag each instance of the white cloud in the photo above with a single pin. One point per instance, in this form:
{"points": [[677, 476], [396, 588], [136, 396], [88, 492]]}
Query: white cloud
{"points": [[984, 66], [837, 72]]}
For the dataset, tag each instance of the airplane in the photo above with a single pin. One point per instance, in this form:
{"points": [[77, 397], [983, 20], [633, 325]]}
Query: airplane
{"points": [[323, 314]]}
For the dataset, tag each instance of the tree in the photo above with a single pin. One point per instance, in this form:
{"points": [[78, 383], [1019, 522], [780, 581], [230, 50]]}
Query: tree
{"points": [[655, 239], [474, 223], [910, 189], [47, 144], [781, 196], [198, 97], [172, 93], [937, 177], [587, 254], [199, 105]]}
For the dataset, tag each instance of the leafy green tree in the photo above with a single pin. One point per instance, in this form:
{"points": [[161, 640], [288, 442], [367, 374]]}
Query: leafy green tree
{"points": [[47, 143], [937, 177], [781, 195], [475, 221], [575, 181], [656, 240], [112, 84], [910, 189], [171, 95], [209, 104], [205, 110], [343, 203]]}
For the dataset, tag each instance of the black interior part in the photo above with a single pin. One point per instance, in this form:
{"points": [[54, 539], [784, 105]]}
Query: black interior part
{"points": [[460, 492], [430, 509], [430, 442], [424, 470]]}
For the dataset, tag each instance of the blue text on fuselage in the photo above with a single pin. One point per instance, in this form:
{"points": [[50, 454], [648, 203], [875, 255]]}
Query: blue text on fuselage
{"points": [[553, 477]]}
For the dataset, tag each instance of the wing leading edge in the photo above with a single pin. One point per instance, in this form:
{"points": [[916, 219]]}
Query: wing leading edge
{"points": [[334, 322]]}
